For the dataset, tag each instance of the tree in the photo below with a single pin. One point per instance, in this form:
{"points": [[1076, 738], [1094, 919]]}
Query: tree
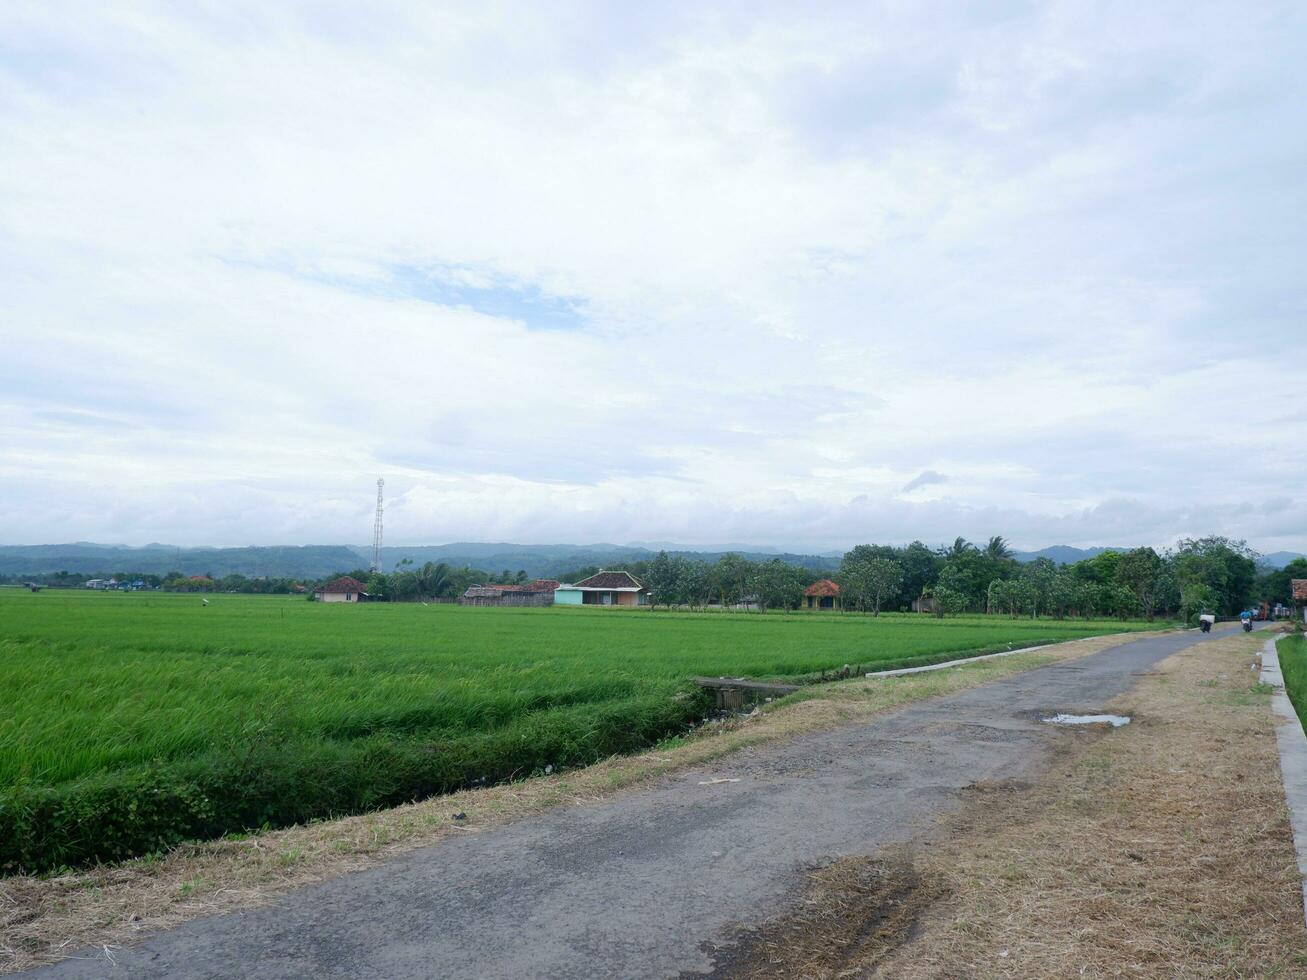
{"points": [[663, 578], [1140, 571], [1062, 594], [950, 602], [1197, 598], [1002, 597], [728, 577], [696, 584], [997, 547], [960, 546], [883, 578], [853, 576], [1227, 568], [920, 569], [1275, 584], [1038, 577], [433, 580], [776, 585]]}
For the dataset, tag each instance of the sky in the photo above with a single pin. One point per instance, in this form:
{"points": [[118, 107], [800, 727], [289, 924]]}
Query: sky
{"points": [[799, 276]]}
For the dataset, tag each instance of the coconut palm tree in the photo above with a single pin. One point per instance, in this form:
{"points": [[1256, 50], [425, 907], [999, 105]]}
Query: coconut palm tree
{"points": [[960, 546], [432, 580], [997, 547]]}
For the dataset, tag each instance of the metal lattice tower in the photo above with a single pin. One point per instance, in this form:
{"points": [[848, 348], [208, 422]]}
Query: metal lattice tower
{"points": [[376, 530]]}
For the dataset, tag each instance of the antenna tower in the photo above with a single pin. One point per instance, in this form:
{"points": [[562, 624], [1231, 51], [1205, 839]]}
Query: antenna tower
{"points": [[376, 530]]}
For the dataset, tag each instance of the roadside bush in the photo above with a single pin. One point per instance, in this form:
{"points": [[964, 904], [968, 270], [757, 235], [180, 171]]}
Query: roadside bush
{"points": [[129, 813]]}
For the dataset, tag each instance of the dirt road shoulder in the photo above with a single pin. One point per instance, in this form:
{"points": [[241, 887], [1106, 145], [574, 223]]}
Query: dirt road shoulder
{"points": [[1162, 848]]}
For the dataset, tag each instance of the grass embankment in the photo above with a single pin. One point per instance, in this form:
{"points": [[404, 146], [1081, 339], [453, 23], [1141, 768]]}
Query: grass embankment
{"points": [[1292, 651], [141, 721]]}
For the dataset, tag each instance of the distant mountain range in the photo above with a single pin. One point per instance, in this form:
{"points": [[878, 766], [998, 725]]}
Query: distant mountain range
{"points": [[316, 561], [312, 562], [1066, 555], [1062, 554]]}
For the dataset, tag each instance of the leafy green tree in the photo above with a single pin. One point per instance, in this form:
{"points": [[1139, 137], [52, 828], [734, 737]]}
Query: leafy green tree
{"points": [[950, 602], [1100, 569], [1062, 593], [853, 576], [729, 575], [1140, 570], [1275, 584], [696, 586], [969, 571], [1197, 598], [1227, 568], [883, 578], [1002, 597], [921, 568], [662, 578], [776, 585]]}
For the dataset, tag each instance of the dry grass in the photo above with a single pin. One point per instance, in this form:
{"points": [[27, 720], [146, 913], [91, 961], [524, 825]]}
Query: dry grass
{"points": [[854, 912], [1161, 849], [43, 919]]}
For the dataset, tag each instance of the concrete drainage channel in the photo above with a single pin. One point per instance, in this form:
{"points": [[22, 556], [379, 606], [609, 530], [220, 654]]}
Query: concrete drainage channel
{"points": [[1293, 756]]}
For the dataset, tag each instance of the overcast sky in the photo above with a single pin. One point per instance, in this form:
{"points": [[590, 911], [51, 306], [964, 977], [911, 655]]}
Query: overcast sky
{"points": [[800, 275]]}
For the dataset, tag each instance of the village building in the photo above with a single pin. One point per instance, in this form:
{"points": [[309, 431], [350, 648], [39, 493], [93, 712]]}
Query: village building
{"points": [[604, 589], [1299, 589], [537, 593], [925, 604], [343, 589], [821, 594]]}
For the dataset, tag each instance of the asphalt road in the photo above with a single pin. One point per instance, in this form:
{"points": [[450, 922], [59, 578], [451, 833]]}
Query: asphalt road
{"points": [[641, 885]]}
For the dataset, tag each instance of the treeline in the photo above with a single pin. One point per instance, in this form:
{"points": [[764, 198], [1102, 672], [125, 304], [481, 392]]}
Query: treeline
{"points": [[411, 582], [1201, 574]]}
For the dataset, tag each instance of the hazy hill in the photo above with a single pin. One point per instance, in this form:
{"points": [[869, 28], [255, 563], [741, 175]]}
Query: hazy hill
{"points": [[1063, 554], [312, 562], [553, 560]]}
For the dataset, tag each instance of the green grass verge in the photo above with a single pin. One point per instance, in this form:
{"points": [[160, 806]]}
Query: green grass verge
{"points": [[1292, 651], [137, 721]]}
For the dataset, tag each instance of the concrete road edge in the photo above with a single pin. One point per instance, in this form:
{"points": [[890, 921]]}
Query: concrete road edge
{"points": [[1293, 756]]}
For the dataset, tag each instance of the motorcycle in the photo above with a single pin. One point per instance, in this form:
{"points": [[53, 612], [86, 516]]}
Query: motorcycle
{"points": [[1247, 625], [1206, 621]]}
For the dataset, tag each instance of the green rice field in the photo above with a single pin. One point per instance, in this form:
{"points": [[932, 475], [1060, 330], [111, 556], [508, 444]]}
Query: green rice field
{"points": [[1292, 651], [131, 722]]}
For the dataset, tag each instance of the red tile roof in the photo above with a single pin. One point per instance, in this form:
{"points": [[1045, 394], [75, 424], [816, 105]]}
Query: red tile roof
{"points": [[342, 584], [822, 587], [1299, 588], [538, 585], [610, 580]]}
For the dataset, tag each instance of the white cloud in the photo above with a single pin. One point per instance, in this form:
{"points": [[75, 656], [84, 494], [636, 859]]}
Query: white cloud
{"points": [[801, 262]]}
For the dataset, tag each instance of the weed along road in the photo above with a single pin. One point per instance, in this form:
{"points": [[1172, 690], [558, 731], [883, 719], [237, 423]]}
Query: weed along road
{"points": [[657, 881]]}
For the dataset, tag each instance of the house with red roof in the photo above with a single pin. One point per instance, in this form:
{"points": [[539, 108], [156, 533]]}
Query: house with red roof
{"points": [[343, 589], [604, 589], [537, 593], [822, 594]]}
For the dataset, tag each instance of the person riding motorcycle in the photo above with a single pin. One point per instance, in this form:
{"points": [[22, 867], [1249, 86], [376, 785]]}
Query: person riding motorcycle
{"points": [[1206, 621], [1246, 619]]}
